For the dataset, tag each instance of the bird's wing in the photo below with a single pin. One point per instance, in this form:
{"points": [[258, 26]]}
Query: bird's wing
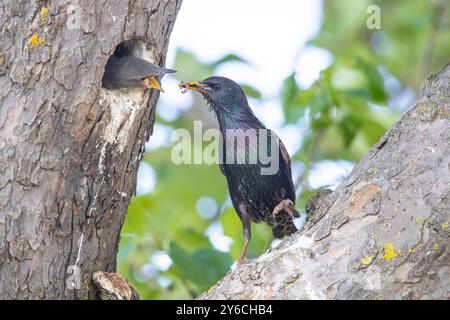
{"points": [[283, 151], [222, 153], [135, 69], [285, 155], [222, 168]]}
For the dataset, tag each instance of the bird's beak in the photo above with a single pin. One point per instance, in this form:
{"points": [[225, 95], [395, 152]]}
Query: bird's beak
{"points": [[151, 82], [194, 85]]}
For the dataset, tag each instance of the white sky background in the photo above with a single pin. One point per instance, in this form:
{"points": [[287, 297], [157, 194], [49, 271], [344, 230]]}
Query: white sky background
{"points": [[268, 34]]}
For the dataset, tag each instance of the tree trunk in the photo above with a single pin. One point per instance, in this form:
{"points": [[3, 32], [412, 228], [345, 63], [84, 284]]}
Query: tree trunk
{"points": [[382, 234], [69, 149]]}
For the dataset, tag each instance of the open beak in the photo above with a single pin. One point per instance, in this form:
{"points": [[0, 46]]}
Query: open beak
{"points": [[151, 82], [194, 85]]}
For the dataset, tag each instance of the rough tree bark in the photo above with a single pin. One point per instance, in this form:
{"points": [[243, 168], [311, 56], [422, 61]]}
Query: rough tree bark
{"points": [[383, 233], [69, 150]]}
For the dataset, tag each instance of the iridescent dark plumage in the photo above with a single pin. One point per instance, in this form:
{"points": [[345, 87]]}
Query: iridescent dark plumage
{"points": [[255, 196]]}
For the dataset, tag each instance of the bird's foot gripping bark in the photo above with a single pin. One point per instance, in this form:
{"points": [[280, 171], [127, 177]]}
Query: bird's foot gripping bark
{"points": [[286, 206], [243, 260]]}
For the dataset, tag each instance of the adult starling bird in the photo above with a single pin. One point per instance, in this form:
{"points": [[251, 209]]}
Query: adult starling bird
{"points": [[132, 72], [256, 196]]}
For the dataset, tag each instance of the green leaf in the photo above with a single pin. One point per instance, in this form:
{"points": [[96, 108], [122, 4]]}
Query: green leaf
{"points": [[192, 240], [320, 111], [349, 127], [373, 131], [190, 68], [303, 97], [250, 91], [294, 100], [374, 79], [345, 78], [288, 92], [126, 247], [204, 267], [229, 58]]}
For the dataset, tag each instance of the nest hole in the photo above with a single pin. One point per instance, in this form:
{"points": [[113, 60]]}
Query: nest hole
{"points": [[124, 105], [132, 48]]}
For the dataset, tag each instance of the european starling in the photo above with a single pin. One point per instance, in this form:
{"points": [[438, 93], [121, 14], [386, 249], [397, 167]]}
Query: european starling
{"points": [[257, 196], [132, 72]]}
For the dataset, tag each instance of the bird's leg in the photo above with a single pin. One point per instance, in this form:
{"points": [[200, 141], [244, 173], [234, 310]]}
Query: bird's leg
{"points": [[244, 249], [287, 206], [246, 224]]}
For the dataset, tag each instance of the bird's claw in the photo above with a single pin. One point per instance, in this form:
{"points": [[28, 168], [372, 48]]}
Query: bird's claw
{"points": [[287, 206]]}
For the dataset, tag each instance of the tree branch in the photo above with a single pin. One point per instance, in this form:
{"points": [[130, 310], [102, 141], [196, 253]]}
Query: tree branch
{"points": [[382, 234]]}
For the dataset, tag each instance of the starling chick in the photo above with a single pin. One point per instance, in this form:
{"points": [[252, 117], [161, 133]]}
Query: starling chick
{"points": [[256, 196], [132, 72]]}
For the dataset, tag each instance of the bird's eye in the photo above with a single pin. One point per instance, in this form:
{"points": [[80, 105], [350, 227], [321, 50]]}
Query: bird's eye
{"points": [[216, 86]]}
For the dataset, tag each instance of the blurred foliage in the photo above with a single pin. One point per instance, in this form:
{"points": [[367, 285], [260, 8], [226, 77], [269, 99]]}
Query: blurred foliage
{"points": [[354, 101]]}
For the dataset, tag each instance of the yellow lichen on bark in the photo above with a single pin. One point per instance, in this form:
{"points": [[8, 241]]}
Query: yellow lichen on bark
{"points": [[43, 15], [34, 41], [389, 251], [367, 260]]}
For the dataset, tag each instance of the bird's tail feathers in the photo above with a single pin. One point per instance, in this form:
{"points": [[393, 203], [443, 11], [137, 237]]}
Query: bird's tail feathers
{"points": [[296, 213], [281, 230]]}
